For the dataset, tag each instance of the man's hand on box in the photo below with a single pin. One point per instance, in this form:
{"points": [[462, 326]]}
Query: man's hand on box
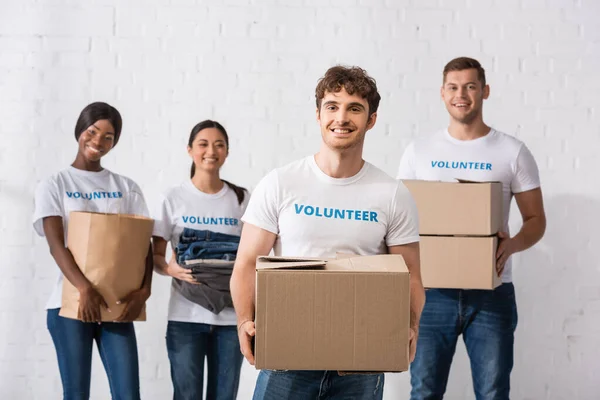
{"points": [[134, 302], [505, 250], [412, 344], [246, 332]]}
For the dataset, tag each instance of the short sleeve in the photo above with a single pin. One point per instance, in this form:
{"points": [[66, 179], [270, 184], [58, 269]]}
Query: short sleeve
{"points": [[404, 220], [163, 226], [263, 207], [136, 203], [527, 175], [407, 169], [47, 204]]}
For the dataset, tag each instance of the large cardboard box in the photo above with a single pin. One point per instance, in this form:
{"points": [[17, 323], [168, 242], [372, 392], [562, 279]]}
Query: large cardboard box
{"points": [[458, 208], [459, 262], [346, 314]]}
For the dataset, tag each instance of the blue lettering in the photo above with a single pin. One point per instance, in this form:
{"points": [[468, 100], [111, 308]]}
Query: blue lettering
{"points": [[298, 208], [339, 214], [77, 195], [87, 196], [330, 212], [317, 213], [96, 195], [309, 210], [365, 215], [488, 167], [454, 164], [235, 221], [226, 220], [70, 194], [214, 221], [373, 216], [463, 165], [433, 164], [470, 165], [205, 221], [193, 220], [349, 212], [185, 219]]}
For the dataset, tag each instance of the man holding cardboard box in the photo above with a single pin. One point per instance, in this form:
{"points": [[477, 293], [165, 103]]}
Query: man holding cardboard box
{"points": [[332, 202], [471, 150]]}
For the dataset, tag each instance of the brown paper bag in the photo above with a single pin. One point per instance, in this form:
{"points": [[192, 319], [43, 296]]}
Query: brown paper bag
{"points": [[110, 250]]}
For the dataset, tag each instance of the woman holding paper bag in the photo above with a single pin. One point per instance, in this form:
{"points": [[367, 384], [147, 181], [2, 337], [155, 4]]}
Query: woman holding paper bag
{"points": [[201, 219], [87, 186]]}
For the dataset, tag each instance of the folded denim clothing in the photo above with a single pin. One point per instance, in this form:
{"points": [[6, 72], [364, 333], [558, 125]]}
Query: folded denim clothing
{"points": [[202, 244], [210, 256]]}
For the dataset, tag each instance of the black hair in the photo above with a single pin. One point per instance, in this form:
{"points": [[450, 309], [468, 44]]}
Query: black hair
{"points": [[96, 112], [240, 192]]}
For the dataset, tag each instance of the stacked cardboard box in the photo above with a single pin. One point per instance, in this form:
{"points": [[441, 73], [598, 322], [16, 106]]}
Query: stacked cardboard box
{"points": [[458, 224], [346, 314]]}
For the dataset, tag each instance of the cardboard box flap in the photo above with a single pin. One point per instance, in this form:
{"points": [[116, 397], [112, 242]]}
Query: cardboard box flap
{"points": [[378, 263], [468, 181], [266, 262]]}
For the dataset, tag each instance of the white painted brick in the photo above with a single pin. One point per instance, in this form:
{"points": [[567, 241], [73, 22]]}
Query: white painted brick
{"points": [[428, 16], [535, 64], [566, 98], [58, 43], [20, 43], [97, 21], [564, 48], [12, 60]]}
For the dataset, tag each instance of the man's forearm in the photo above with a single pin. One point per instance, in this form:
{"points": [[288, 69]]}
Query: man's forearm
{"points": [[417, 301], [531, 232], [242, 291], [147, 284]]}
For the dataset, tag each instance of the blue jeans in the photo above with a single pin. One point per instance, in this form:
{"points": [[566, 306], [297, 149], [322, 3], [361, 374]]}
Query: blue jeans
{"points": [[117, 346], [317, 385], [201, 244], [487, 319], [188, 344]]}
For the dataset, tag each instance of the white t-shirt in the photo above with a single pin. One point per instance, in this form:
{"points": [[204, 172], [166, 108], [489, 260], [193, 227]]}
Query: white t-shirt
{"points": [[73, 189], [315, 215], [185, 206], [494, 157]]}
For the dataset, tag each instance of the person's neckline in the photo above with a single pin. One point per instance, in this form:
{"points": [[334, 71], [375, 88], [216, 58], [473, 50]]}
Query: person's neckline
{"points": [[336, 181], [468, 142], [83, 172], [190, 185]]}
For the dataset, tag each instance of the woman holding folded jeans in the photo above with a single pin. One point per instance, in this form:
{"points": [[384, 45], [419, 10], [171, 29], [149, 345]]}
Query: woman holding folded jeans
{"points": [[87, 186], [201, 218]]}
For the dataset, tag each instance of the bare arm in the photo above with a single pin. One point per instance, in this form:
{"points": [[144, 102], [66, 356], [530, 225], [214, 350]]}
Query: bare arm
{"points": [[90, 300], [531, 206], [253, 243], [159, 256], [410, 253], [53, 229], [170, 268]]}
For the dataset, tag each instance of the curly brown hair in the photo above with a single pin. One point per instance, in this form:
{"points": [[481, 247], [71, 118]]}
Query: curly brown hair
{"points": [[462, 63], [353, 80]]}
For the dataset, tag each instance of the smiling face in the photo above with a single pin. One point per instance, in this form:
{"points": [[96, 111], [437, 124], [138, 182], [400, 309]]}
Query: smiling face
{"points": [[96, 141], [463, 94], [208, 150], [344, 119]]}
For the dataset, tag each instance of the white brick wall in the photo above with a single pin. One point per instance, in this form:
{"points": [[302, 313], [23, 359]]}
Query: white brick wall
{"points": [[253, 65]]}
